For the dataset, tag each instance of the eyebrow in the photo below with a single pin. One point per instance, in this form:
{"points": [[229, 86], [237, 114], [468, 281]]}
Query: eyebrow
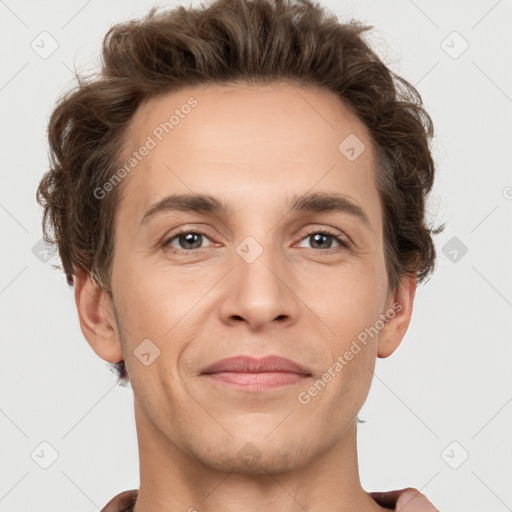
{"points": [[308, 202]]}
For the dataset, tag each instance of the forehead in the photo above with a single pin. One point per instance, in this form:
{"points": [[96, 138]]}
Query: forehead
{"points": [[258, 142]]}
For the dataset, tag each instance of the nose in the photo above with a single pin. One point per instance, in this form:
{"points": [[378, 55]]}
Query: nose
{"points": [[261, 293]]}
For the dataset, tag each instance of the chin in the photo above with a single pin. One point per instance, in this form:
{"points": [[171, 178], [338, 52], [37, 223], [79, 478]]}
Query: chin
{"points": [[258, 456]]}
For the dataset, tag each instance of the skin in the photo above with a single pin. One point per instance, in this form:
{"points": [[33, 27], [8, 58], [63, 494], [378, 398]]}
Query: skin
{"points": [[253, 147]]}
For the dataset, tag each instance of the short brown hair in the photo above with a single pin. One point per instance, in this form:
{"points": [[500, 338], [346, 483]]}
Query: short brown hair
{"points": [[232, 41]]}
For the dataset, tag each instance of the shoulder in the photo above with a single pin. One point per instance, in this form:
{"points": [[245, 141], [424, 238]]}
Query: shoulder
{"points": [[122, 502], [405, 500]]}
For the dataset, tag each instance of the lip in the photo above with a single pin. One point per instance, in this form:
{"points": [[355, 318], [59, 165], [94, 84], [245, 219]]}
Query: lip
{"points": [[256, 381], [249, 364], [256, 374]]}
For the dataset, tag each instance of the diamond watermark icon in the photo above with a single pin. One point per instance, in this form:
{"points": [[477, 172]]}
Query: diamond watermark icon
{"points": [[454, 45], [146, 352], [44, 252], [249, 249], [454, 249], [44, 455], [455, 455], [351, 147], [44, 45], [249, 454]]}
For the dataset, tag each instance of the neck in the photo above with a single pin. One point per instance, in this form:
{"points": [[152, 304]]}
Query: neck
{"points": [[171, 479]]}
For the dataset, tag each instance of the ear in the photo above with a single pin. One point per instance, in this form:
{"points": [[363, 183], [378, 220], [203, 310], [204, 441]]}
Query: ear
{"points": [[398, 311], [97, 318]]}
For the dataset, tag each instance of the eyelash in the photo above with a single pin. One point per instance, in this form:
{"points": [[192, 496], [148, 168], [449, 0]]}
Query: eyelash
{"points": [[343, 243]]}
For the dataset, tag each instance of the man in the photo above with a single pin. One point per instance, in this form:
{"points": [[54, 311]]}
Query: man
{"points": [[238, 199]]}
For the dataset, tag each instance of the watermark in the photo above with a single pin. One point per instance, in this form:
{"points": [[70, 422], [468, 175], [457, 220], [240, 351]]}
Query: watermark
{"points": [[44, 455], [44, 45], [351, 147], [151, 143], [249, 454], [455, 455], [454, 249], [43, 251], [249, 249], [146, 352], [304, 397], [454, 44]]}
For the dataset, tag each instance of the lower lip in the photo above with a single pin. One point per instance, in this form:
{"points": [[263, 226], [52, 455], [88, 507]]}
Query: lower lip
{"points": [[257, 381]]}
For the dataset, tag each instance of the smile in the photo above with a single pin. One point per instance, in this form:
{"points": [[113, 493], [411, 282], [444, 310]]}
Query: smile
{"points": [[260, 381]]}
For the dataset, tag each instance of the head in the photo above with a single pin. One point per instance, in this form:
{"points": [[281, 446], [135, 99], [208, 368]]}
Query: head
{"points": [[275, 111]]}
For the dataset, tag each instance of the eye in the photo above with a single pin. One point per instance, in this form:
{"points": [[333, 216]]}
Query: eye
{"points": [[187, 240], [324, 239]]}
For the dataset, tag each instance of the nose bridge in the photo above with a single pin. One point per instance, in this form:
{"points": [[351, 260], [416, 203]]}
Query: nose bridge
{"points": [[259, 249], [259, 263], [258, 293]]}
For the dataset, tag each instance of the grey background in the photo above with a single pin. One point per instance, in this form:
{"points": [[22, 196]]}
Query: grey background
{"points": [[450, 381]]}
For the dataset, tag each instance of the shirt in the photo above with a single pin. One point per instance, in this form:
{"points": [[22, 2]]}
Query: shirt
{"points": [[122, 502], [125, 502]]}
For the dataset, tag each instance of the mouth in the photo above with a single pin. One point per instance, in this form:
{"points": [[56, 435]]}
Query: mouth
{"points": [[256, 381], [256, 374]]}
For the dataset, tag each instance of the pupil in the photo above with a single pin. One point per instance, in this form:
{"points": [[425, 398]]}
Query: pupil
{"points": [[189, 239], [318, 235]]}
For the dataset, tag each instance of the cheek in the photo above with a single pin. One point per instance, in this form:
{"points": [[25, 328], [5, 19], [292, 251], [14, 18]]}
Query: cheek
{"points": [[353, 350], [148, 291], [352, 300], [163, 304], [353, 307]]}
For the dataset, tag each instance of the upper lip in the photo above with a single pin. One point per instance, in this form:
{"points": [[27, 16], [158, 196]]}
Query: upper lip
{"points": [[249, 364]]}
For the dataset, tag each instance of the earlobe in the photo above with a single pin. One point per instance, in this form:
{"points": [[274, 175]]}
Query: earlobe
{"points": [[96, 316], [398, 311]]}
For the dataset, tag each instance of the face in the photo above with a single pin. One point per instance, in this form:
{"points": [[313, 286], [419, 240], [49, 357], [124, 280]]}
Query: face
{"points": [[262, 277]]}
